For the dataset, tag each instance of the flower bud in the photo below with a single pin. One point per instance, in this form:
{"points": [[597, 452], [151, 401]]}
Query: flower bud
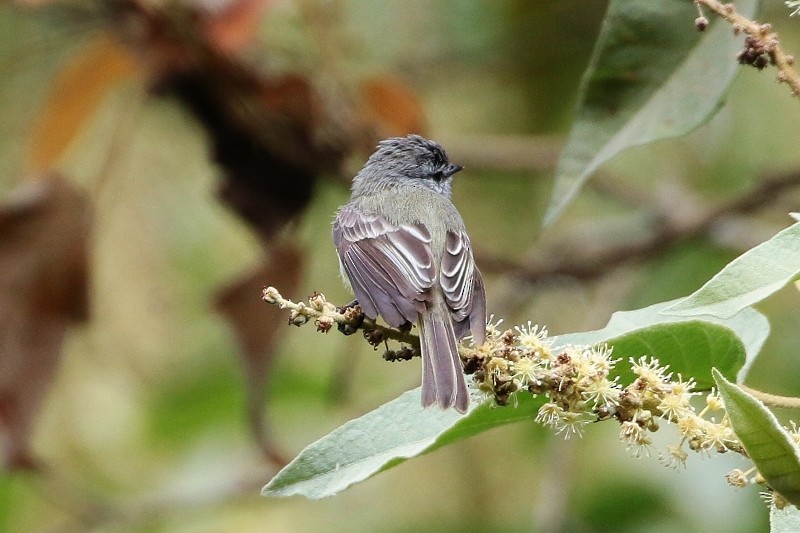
{"points": [[317, 301], [270, 295], [324, 323], [701, 23]]}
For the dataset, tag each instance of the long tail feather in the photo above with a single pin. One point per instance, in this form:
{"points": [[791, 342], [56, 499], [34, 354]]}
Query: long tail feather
{"points": [[443, 380]]}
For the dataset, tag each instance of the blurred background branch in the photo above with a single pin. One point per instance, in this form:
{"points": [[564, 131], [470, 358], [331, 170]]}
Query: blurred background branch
{"points": [[682, 218]]}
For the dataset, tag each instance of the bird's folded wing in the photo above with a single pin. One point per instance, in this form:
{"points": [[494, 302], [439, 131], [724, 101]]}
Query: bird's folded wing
{"points": [[462, 285], [390, 266]]}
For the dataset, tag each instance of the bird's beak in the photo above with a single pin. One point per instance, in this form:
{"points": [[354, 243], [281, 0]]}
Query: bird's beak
{"points": [[451, 169]]}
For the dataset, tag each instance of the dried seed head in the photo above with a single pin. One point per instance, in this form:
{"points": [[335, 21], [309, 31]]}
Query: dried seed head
{"points": [[297, 318], [701, 23], [317, 301], [374, 337], [324, 323], [403, 354]]}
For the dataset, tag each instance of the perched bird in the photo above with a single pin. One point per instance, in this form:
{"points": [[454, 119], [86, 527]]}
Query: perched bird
{"points": [[404, 250]]}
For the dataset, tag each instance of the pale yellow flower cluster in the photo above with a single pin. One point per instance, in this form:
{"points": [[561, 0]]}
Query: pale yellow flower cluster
{"points": [[576, 382]]}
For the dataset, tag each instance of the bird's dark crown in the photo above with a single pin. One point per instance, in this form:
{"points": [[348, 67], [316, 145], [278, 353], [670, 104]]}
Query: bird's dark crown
{"points": [[406, 161], [416, 157]]}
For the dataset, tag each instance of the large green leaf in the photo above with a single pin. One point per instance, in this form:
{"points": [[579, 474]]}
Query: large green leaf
{"points": [[651, 76], [385, 438], [784, 520], [748, 279], [769, 446], [689, 347], [402, 429]]}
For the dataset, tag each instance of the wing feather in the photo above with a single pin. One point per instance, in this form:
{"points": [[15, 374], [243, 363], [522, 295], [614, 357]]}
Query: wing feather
{"points": [[462, 285], [390, 266]]}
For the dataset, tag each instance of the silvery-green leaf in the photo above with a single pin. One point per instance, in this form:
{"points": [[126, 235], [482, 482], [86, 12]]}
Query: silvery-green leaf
{"points": [[746, 280], [385, 438], [652, 76], [768, 445]]}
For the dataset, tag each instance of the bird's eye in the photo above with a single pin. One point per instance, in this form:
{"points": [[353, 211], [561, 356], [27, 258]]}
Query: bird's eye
{"points": [[437, 175]]}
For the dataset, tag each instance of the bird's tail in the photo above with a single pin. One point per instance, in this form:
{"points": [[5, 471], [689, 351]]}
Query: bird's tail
{"points": [[443, 380]]}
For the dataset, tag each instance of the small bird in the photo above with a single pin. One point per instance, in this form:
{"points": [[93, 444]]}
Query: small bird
{"points": [[404, 250]]}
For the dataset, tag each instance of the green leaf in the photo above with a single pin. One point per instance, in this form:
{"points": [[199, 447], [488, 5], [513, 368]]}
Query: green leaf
{"points": [[690, 347], [383, 439], [652, 76], [784, 520], [769, 446], [748, 279]]}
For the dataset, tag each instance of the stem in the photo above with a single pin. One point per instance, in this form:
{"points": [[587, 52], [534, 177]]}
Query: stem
{"points": [[318, 308], [773, 400], [762, 32], [391, 333]]}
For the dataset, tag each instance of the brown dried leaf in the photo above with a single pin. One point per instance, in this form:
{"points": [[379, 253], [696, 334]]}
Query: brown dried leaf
{"points": [[270, 171], [264, 135], [272, 135], [44, 232], [232, 28], [392, 107], [258, 327], [75, 94]]}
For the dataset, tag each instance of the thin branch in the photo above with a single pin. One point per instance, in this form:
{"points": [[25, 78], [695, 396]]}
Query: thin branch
{"points": [[761, 40], [668, 232], [348, 319]]}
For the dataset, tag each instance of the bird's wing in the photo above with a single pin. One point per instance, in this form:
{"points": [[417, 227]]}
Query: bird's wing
{"points": [[462, 285], [390, 266]]}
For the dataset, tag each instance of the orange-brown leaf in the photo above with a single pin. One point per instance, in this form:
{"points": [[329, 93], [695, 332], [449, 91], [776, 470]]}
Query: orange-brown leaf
{"points": [[232, 29], [74, 96], [392, 106]]}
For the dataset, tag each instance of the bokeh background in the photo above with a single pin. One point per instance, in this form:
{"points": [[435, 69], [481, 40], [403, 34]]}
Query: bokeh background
{"points": [[154, 391]]}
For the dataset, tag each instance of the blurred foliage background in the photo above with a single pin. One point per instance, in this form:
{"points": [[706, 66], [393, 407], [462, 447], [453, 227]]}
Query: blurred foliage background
{"points": [[210, 144]]}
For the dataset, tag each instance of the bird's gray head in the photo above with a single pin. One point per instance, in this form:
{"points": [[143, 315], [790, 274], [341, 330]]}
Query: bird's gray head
{"points": [[411, 160]]}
